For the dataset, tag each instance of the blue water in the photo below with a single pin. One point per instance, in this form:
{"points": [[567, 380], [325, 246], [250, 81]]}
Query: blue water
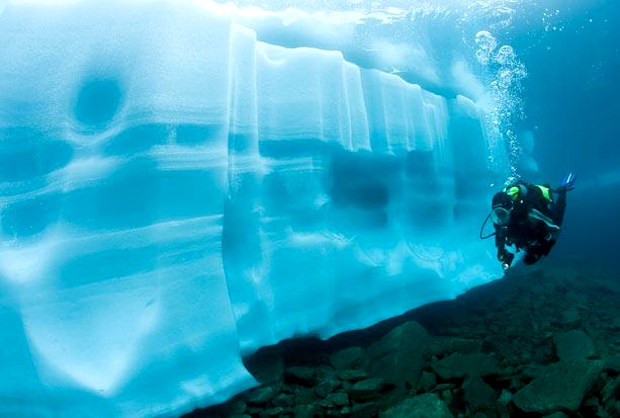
{"points": [[572, 105]]}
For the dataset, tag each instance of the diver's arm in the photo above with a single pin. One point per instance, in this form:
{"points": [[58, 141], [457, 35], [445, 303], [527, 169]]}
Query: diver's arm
{"points": [[500, 240], [503, 255]]}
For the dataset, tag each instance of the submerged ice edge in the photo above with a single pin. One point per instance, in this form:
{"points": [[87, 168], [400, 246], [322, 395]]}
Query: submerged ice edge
{"points": [[160, 252]]}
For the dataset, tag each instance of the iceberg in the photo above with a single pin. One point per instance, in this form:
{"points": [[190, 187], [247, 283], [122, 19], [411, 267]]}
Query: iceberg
{"points": [[175, 194]]}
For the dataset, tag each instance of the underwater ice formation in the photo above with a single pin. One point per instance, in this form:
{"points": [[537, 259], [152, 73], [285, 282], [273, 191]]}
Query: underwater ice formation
{"points": [[175, 194]]}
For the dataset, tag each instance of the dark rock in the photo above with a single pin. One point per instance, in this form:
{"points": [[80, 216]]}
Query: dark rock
{"points": [[335, 412], [305, 376], [612, 408], [325, 405], [461, 365], [367, 389], [442, 346], [573, 345], [479, 395], [254, 411], [613, 363], [323, 371], [591, 407], [502, 412], [444, 386], [234, 407], [427, 381], [306, 411], [349, 358], [556, 415], [515, 385], [262, 395], [284, 400], [532, 371], [266, 365], [326, 386], [271, 412], [447, 396], [399, 356], [351, 375], [337, 399], [305, 396], [364, 410], [611, 390], [346, 386], [508, 372], [504, 398], [428, 405], [571, 318], [563, 385]]}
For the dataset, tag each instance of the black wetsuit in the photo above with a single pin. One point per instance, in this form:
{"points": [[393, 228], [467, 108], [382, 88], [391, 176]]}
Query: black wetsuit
{"points": [[526, 230]]}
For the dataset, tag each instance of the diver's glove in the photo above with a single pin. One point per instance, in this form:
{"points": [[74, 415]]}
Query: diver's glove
{"points": [[568, 183], [506, 258]]}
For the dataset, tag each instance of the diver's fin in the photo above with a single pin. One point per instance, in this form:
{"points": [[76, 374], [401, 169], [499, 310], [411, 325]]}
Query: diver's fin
{"points": [[569, 182]]}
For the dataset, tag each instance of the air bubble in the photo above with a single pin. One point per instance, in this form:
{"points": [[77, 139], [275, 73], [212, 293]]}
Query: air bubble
{"points": [[505, 55], [486, 44]]}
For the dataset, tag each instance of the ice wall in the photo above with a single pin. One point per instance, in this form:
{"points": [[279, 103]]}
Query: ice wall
{"points": [[174, 194]]}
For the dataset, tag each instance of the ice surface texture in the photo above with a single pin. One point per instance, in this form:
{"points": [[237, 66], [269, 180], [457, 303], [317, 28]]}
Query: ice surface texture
{"points": [[175, 194]]}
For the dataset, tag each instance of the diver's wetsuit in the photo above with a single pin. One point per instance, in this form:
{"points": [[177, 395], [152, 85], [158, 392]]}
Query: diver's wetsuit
{"points": [[534, 224]]}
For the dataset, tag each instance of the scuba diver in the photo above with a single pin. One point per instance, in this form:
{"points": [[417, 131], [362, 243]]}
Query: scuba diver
{"points": [[529, 217]]}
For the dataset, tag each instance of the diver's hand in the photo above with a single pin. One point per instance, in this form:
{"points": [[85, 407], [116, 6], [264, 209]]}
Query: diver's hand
{"points": [[506, 258]]}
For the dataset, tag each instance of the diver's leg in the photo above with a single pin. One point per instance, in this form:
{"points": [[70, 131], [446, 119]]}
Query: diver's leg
{"points": [[557, 212], [531, 257], [545, 247]]}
